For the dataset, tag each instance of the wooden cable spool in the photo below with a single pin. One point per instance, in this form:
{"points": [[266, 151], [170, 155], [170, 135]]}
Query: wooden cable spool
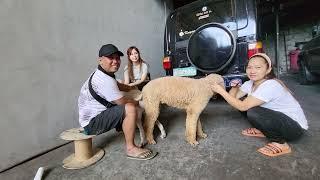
{"points": [[84, 155]]}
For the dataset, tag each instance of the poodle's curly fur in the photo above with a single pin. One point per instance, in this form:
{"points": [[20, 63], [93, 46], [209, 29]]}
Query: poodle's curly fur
{"points": [[189, 94], [137, 95]]}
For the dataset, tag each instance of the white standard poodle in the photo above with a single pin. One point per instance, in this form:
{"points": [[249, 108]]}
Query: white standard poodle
{"points": [[185, 93]]}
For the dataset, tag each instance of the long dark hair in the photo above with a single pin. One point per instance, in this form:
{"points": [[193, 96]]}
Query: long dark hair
{"points": [[130, 66]]}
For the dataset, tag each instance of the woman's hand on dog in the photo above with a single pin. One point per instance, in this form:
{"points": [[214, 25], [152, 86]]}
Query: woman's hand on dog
{"points": [[235, 84]]}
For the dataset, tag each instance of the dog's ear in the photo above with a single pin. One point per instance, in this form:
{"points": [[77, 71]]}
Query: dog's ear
{"points": [[215, 78], [220, 81]]}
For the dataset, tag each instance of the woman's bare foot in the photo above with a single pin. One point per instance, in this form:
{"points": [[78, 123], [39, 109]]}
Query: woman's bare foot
{"points": [[252, 132], [140, 153]]}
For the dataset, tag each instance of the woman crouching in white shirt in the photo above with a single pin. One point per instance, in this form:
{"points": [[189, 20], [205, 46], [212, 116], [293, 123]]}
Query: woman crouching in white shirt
{"points": [[270, 107]]}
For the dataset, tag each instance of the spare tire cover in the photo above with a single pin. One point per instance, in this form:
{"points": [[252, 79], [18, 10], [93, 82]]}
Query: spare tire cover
{"points": [[211, 47]]}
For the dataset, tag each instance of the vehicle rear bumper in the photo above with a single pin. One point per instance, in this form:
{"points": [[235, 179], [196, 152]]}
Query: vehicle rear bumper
{"points": [[228, 78]]}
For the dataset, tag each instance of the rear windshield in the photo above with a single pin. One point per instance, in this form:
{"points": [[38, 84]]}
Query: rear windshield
{"points": [[202, 12]]}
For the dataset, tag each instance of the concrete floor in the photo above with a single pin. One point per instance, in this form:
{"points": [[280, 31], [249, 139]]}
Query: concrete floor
{"points": [[225, 154]]}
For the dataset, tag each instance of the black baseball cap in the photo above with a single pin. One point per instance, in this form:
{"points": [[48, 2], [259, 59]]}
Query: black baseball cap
{"points": [[108, 49]]}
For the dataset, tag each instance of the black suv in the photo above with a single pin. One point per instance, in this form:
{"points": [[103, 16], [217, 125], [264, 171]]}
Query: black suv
{"points": [[211, 36], [309, 61]]}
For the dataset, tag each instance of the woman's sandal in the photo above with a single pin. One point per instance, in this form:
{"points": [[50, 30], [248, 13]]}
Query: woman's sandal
{"points": [[146, 155], [274, 149], [252, 132]]}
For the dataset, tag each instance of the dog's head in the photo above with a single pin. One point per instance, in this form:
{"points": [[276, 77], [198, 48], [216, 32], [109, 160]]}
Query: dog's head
{"points": [[215, 78]]}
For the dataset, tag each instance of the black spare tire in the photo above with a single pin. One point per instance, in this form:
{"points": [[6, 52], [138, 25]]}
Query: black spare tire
{"points": [[211, 47]]}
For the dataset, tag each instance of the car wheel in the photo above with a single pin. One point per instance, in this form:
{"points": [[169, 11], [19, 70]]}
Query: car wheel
{"points": [[304, 74]]}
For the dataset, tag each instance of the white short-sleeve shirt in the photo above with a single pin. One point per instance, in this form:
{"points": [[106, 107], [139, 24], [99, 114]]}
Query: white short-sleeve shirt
{"points": [[137, 74], [277, 98], [106, 87]]}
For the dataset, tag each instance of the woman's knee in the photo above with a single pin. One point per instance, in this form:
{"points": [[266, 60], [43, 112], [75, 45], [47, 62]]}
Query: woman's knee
{"points": [[256, 117], [131, 109], [254, 113]]}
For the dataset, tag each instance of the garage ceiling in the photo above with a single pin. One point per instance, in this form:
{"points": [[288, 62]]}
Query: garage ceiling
{"points": [[291, 11]]}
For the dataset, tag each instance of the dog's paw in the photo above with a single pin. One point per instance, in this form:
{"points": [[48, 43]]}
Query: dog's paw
{"points": [[193, 143], [164, 135], [203, 135], [152, 141], [142, 143]]}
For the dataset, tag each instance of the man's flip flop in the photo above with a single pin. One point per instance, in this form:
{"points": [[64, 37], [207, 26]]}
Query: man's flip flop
{"points": [[144, 155], [252, 132], [272, 150]]}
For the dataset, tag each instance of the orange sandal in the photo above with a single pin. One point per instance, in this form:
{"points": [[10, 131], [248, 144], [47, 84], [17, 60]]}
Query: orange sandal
{"points": [[275, 149], [253, 132]]}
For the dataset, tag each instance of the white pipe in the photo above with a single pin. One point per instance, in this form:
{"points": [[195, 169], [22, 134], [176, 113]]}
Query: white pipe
{"points": [[39, 174]]}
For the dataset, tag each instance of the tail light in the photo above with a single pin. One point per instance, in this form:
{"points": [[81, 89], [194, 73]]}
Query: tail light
{"points": [[254, 48], [166, 63]]}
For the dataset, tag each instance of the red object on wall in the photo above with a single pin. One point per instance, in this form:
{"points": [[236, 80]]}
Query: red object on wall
{"points": [[293, 55]]}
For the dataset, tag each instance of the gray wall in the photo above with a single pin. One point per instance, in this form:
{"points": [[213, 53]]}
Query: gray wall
{"points": [[48, 48]]}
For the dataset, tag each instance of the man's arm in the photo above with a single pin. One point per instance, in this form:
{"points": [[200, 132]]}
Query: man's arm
{"points": [[125, 100], [124, 87]]}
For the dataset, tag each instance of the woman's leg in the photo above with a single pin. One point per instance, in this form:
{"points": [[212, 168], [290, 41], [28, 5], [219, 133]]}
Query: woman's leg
{"points": [[276, 126]]}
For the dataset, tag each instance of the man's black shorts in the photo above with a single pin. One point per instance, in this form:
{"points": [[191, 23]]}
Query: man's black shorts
{"points": [[108, 119]]}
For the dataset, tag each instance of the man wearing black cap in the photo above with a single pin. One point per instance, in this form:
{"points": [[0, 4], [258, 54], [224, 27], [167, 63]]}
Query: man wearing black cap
{"points": [[103, 107]]}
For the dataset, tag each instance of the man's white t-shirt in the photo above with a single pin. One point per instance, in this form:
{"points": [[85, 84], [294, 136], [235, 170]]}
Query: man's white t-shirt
{"points": [[277, 98], [106, 87], [137, 74]]}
